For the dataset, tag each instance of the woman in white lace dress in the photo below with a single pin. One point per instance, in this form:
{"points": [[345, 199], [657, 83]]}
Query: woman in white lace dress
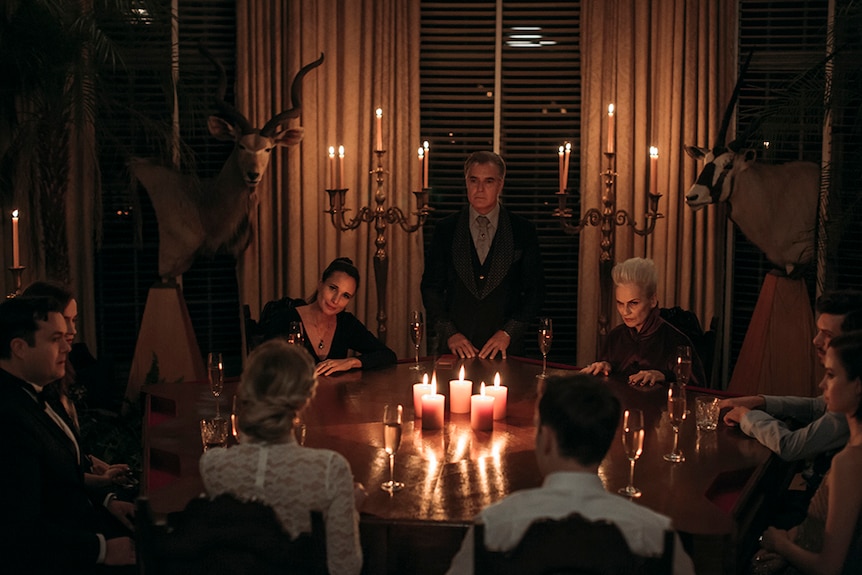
{"points": [[270, 466]]}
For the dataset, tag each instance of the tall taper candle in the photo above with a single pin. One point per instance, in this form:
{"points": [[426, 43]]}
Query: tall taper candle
{"points": [[425, 167], [611, 134], [421, 153], [562, 188], [653, 170], [566, 166], [340, 167], [378, 114], [16, 254], [332, 181]]}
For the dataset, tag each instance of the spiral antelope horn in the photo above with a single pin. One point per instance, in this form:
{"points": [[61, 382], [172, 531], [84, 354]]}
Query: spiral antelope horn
{"points": [[728, 113], [234, 115], [295, 98]]}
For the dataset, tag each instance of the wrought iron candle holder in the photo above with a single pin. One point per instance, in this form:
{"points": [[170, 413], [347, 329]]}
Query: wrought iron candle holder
{"points": [[608, 218], [17, 272], [380, 216]]}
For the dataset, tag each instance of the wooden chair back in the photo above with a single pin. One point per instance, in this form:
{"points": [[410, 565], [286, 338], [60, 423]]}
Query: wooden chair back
{"points": [[571, 546], [224, 535]]}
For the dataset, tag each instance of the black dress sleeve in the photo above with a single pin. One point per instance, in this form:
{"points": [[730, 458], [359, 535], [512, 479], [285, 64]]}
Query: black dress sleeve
{"points": [[349, 334]]}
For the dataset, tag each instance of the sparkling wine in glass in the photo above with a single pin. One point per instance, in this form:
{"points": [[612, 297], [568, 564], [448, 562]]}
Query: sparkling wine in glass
{"points": [[682, 369], [234, 425], [417, 325], [215, 372], [546, 336], [391, 443], [295, 335], [676, 413], [633, 443]]}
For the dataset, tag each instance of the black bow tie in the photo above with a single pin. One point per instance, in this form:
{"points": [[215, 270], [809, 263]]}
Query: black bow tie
{"points": [[47, 394]]}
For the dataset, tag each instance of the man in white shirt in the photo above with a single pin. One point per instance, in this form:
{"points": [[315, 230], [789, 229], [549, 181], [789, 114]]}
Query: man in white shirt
{"points": [[577, 420]]}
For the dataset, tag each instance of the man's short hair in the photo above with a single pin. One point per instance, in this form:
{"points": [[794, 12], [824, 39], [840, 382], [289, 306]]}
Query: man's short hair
{"points": [[838, 302], [583, 413], [485, 157], [20, 317]]}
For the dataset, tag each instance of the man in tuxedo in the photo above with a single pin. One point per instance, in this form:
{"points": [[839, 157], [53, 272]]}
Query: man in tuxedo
{"points": [[50, 522], [483, 281]]}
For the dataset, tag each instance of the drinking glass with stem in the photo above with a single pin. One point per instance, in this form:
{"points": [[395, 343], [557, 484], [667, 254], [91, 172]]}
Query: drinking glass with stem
{"points": [[682, 369], [416, 327], [234, 424], [215, 372], [633, 443], [391, 442], [676, 413], [546, 336]]}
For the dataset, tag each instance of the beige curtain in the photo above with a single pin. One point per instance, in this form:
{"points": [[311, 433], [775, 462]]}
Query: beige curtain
{"points": [[669, 68], [372, 60]]}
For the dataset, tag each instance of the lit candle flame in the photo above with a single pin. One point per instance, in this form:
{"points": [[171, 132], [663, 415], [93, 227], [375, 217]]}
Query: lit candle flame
{"points": [[482, 389], [653, 152], [424, 379], [14, 213], [497, 379], [610, 109], [434, 383], [378, 112], [461, 374]]}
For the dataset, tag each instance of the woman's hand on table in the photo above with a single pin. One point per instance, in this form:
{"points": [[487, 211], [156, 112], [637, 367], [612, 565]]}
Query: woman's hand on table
{"points": [[646, 378], [461, 346], [598, 368], [332, 366]]}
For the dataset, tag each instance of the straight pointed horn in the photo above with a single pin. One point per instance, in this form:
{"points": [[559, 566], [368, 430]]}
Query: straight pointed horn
{"points": [[234, 115], [728, 113], [295, 98]]}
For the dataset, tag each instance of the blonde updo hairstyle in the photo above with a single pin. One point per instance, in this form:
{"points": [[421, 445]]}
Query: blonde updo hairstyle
{"points": [[638, 271], [277, 382]]}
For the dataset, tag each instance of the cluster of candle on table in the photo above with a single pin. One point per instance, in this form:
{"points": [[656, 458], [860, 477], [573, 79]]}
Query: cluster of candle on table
{"points": [[336, 176], [485, 407], [565, 150], [16, 250]]}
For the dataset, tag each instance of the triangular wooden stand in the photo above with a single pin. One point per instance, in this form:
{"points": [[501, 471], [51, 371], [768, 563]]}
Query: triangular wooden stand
{"points": [[777, 356], [167, 333]]}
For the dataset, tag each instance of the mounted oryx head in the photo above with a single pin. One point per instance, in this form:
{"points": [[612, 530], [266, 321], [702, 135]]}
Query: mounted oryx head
{"points": [[775, 206], [709, 187]]}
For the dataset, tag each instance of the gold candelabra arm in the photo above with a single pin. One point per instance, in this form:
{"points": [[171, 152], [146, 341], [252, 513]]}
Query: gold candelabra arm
{"points": [[623, 218], [592, 217], [337, 212], [396, 215], [17, 271]]}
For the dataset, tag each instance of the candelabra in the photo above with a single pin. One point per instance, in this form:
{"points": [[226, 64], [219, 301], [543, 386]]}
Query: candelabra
{"points": [[608, 218], [17, 271], [380, 216]]}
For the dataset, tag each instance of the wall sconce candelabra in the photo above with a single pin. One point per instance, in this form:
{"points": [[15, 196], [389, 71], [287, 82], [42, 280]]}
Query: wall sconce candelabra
{"points": [[607, 218], [380, 216]]}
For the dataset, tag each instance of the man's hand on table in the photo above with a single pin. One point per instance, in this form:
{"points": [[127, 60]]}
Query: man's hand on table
{"points": [[461, 346], [499, 342]]}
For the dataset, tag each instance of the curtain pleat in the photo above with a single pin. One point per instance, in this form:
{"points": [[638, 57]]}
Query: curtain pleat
{"points": [[372, 60], [669, 68]]}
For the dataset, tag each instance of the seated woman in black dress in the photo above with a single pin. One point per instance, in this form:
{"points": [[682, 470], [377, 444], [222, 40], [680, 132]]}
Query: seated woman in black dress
{"points": [[329, 331], [643, 349]]}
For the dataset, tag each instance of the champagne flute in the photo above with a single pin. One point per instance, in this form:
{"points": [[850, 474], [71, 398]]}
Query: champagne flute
{"points": [[416, 326], [234, 425], [676, 413], [391, 442], [215, 371], [633, 443], [546, 335], [682, 370]]}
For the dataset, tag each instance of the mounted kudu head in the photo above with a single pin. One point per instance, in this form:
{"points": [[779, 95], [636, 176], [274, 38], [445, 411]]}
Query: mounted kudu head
{"points": [[253, 146], [717, 162]]}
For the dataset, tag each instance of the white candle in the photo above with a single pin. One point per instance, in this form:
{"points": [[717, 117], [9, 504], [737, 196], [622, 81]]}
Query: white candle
{"points": [[500, 393], [421, 166], [611, 128], [420, 389], [340, 167], [460, 391], [653, 170], [378, 114], [562, 188], [16, 253], [482, 411], [332, 181], [433, 405], [426, 161], [566, 166]]}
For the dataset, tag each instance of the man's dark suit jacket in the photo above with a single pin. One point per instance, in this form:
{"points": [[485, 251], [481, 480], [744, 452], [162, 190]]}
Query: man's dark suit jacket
{"points": [[507, 292], [48, 521]]}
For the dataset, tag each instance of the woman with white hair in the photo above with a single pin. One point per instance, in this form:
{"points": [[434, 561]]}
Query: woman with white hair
{"points": [[270, 466], [643, 349]]}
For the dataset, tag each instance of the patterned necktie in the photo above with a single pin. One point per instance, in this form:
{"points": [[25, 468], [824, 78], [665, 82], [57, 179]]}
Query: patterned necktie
{"points": [[483, 244]]}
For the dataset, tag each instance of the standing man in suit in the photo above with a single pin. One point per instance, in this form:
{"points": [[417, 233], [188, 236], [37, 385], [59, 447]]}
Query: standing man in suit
{"points": [[483, 281], [50, 522]]}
